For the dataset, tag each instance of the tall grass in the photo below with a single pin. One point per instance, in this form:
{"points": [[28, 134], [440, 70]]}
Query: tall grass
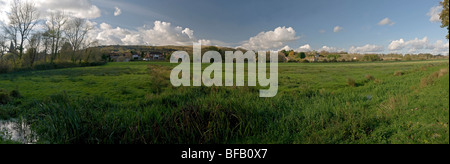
{"points": [[396, 110]]}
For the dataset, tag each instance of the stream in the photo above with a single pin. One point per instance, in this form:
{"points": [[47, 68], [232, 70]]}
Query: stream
{"points": [[16, 131]]}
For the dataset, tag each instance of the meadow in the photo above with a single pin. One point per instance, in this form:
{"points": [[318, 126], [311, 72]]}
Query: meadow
{"points": [[317, 103]]}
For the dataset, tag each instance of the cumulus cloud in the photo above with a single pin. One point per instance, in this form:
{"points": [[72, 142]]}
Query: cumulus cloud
{"points": [[413, 45], [162, 33], [286, 48], [434, 14], [304, 48], [117, 11], [75, 8], [338, 29], [271, 39], [367, 49], [396, 45], [5, 7], [331, 49], [419, 45], [386, 21], [440, 47]]}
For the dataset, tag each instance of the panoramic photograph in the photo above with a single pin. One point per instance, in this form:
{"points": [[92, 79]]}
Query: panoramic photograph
{"points": [[224, 72]]}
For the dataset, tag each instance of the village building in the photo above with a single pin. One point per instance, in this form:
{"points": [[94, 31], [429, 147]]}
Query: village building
{"points": [[154, 56]]}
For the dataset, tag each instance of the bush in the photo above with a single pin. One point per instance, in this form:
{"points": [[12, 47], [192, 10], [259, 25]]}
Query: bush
{"points": [[15, 94], [302, 55], [370, 78], [305, 61], [293, 61], [4, 68], [372, 58], [351, 82], [443, 72], [399, 73], [4, 97]]}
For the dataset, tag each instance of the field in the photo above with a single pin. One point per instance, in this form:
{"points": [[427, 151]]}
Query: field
{"points": [[317, 103]]}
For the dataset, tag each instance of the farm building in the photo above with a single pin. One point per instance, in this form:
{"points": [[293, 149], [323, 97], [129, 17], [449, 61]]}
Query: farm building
{"points": [[154, 56]]}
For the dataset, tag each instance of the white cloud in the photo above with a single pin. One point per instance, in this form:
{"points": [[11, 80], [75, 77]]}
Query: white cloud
{"points": [[75, 8], [271, 39], [331, 49], [366, 49], [162, 33], [434, 14], [188, 32], [440, 47], [338, 29], [412, 45], [419, 46], [117, 11], [396, 45], [304, 48], [286, 48], [386, 21]]}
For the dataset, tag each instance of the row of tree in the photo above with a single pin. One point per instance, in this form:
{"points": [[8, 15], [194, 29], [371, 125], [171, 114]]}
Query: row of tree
{"points": [[29, 38], [324, 56]]}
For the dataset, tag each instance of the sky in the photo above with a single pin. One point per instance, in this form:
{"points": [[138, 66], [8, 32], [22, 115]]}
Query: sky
{"points": [[355, 26]]}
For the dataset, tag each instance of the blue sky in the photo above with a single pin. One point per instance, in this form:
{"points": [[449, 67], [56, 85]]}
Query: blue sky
{"points": [[235, 21], [266, 24]]}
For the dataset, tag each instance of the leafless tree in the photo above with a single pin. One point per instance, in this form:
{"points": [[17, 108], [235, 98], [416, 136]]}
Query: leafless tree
{"points": [[76, 33], [33, 49], [23, 18], [46, 43], [11, 34], [3, 46], [55, 26]]}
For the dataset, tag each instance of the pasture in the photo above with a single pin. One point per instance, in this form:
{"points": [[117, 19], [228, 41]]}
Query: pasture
{"points": [[317, 103]]}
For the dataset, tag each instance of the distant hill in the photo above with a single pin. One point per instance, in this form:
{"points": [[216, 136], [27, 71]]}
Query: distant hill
{"points": [[160, 49]]}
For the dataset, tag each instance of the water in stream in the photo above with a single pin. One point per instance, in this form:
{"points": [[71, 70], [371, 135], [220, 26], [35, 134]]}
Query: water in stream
{"points": [[16, 131]]}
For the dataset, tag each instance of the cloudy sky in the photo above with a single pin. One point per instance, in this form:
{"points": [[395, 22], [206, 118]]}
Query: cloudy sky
{"points": [[368, 26]]}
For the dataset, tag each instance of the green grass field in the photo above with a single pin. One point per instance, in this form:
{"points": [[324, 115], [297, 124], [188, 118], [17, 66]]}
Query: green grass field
{"points": [[382, 102]]}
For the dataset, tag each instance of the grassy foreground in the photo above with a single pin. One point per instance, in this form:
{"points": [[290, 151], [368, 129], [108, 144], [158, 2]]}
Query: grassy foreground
{"points": [[385, 102]]}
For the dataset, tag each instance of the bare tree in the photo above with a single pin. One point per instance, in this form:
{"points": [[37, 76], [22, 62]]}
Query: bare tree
{"points": [[76, 33], [33, 49], [55, 26], [23, 18], [11, 34], [46, 39], [3, 46]]}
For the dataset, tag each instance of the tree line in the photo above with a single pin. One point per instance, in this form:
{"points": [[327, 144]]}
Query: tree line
{"points": [[30, 39]]}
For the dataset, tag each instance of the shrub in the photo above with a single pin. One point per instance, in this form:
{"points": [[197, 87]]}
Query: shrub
{"points": [[443, 72], [351, 82], [370, 78], [399, 73], [4, 97], [305, 61], [377, 81], [372, 58], [4, 68], [293, 61], [15, 94], [426, 81], [302, 55]]}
